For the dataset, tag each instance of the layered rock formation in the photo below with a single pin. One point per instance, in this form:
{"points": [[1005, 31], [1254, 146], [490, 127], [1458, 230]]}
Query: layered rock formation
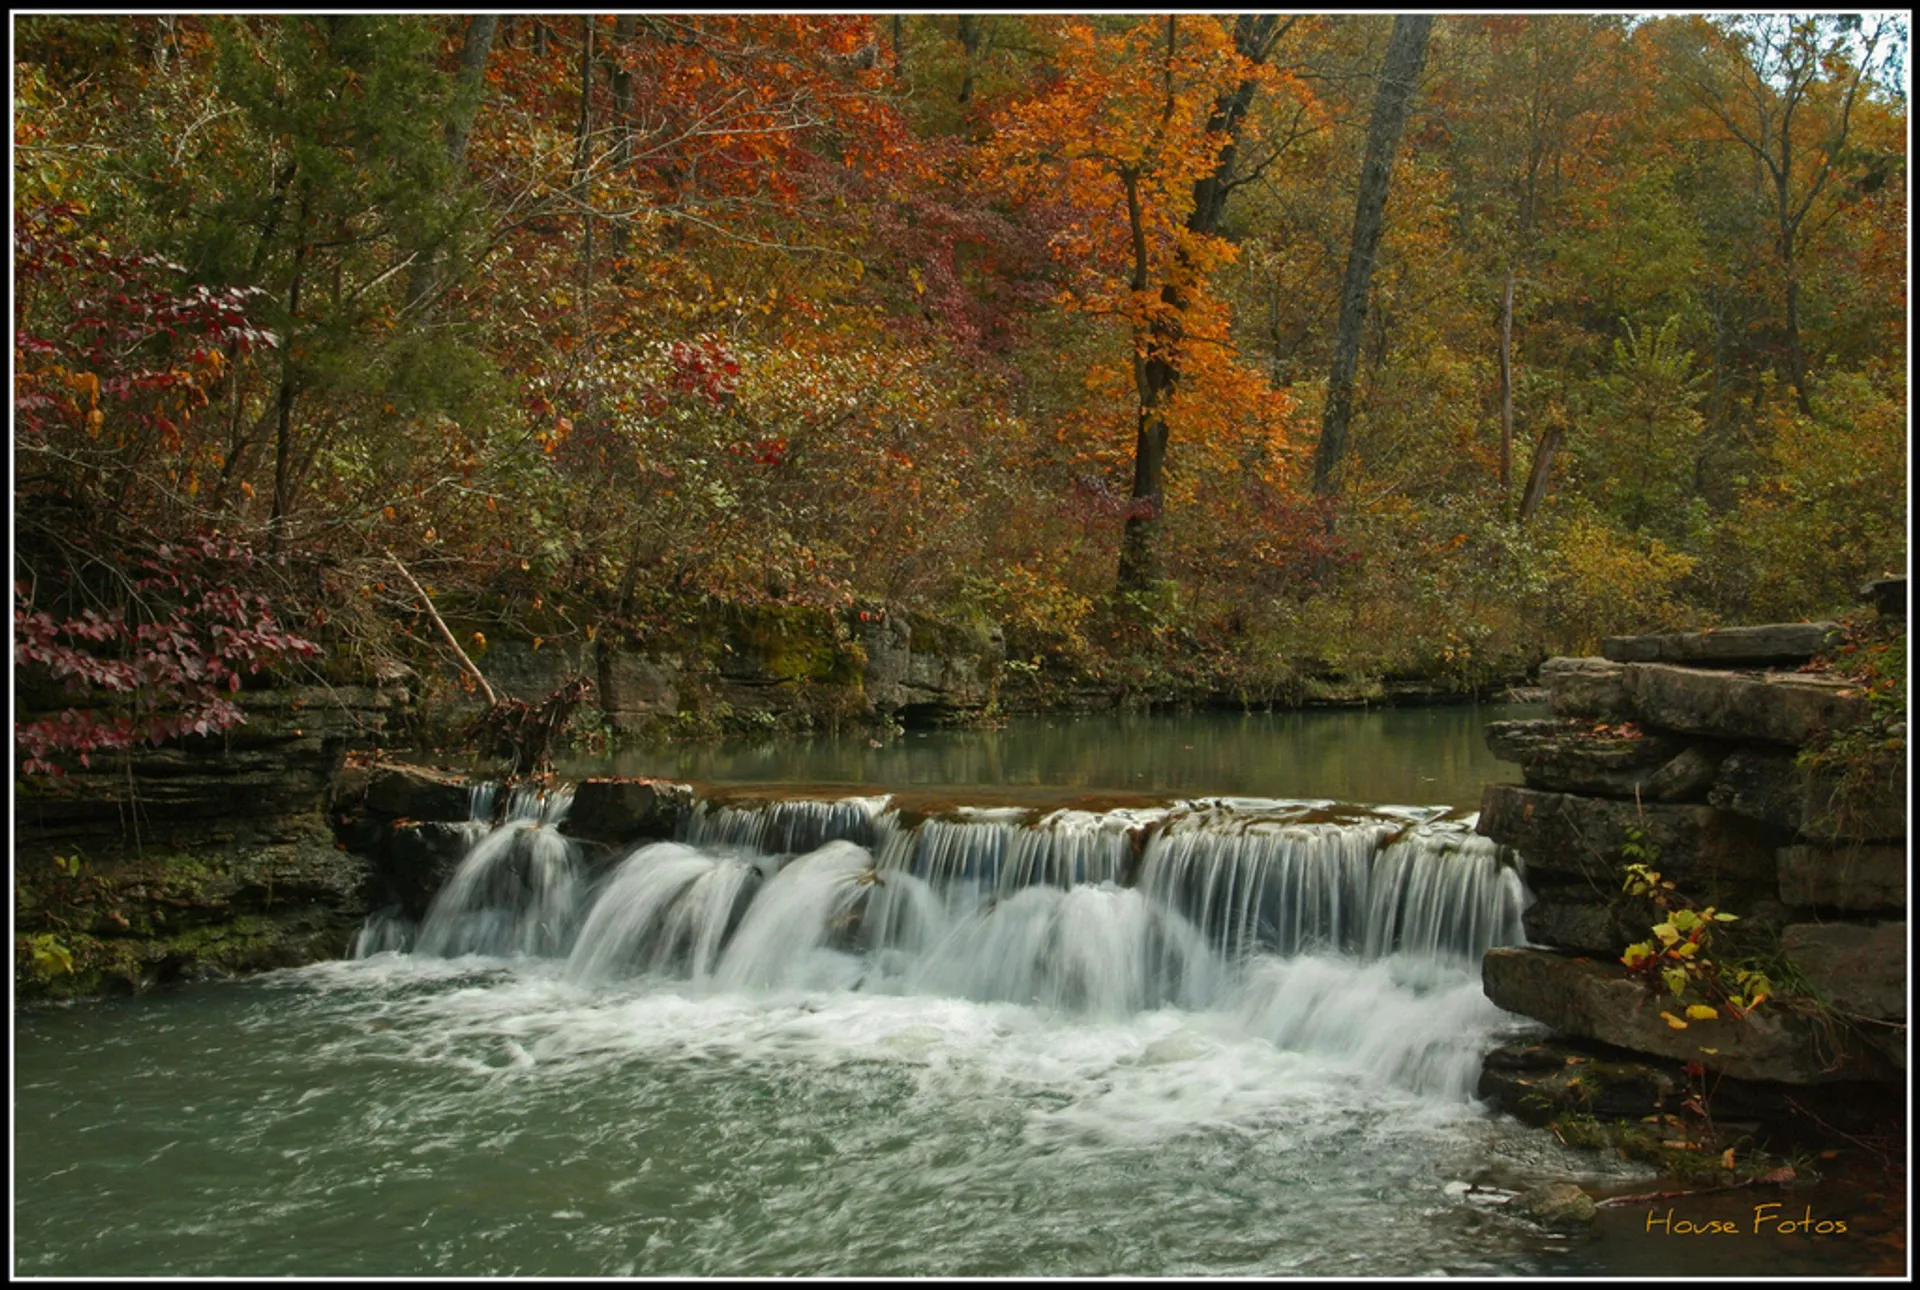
{"points": [[1684, 751], [761, 666], [209, 857]]}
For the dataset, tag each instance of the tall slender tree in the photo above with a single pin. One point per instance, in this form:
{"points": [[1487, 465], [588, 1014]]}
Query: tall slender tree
{"points": [[1406, 54]]}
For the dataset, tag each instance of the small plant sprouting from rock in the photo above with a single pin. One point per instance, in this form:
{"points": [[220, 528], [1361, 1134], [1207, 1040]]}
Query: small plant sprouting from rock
{"points": [[1679, 952]]}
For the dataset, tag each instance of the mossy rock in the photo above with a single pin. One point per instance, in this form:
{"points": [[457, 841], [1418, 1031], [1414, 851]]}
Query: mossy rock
{"points": [[792, 643]]}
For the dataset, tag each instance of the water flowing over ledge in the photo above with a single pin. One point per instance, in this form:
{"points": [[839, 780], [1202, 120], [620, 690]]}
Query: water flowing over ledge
{"points": [[1354, 933]]}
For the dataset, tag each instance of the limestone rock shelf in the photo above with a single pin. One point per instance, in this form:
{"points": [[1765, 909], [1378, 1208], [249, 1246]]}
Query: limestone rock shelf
{"points": [[1685, 748]]}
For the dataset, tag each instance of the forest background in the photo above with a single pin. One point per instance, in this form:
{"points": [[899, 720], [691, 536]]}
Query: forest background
{"points": [[1067, 322]]}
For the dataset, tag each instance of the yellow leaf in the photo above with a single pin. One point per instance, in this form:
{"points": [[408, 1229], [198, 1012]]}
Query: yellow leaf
{"points": [[1726, 1158], [1701, 1012], [1674, 1021]]}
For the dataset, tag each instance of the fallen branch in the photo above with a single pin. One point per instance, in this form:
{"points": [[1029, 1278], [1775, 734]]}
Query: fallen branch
{"points": [[1773, 1178], [472, 670]]}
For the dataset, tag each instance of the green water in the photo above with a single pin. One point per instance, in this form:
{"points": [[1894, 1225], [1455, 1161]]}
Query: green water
{"points": [[388, 1118], [1419, 756]]}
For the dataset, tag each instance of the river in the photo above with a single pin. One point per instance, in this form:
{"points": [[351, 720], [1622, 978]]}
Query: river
{"points": [[1225, 1020]]}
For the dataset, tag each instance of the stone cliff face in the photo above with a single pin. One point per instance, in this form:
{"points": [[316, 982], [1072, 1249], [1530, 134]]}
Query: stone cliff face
{"points": [[211, 857], [759, 667], [1687, 748]]}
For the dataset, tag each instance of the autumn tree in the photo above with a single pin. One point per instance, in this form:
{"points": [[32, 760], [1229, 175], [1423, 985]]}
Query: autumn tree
{"points": [[1137, 124], [1785, 89]]}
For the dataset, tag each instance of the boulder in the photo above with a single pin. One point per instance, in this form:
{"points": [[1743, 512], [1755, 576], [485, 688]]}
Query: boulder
{"points": [[1865, 807], [1729, 646], [1888, 596], [1586, 687], [416, 792], [1860, 970], [1860, 876], [1568, 756], [1709, 853], [413, 861], [1775, 707], [1687, 777], [1602, 1001], [620, 811]]}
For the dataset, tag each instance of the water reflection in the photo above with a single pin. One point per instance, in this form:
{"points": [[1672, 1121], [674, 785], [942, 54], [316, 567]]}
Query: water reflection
{"points": [[1435, 755]]}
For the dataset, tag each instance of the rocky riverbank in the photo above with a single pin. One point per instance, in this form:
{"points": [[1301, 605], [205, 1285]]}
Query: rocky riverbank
{"points": [[1708, 758], [212, 857]]}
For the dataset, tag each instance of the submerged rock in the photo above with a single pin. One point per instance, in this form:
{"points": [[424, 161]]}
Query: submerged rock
{"points": [[1558, 1205]]}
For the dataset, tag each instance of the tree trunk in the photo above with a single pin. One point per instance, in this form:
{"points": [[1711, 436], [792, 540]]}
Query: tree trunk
{"points": [[623, 32], [1156, 374], [1796, 357], [1542, 471], [289, 390], [477, 45], [1406, 53], [1139, 544], [1506, 387], [968, 28]]}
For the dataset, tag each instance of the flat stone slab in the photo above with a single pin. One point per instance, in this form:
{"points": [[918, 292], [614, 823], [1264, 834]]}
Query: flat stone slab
{"points": [[1586, 687], [1775, 707], [1863, 876], [1769, 785], [1567, 756], [1860, 969], [1706, 851], [1602, 1001], [1772, 643], [1575, 918], [414, 792], [1762, 784]]}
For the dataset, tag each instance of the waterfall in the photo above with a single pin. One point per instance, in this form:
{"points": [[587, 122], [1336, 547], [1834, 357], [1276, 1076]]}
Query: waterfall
{"points": [[517, 891], [666, 909], [785, 827], [1351, 932], [385, 931], [1258, 883]]}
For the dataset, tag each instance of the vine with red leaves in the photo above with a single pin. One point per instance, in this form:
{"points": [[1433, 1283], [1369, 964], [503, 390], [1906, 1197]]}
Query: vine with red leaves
{"points": [[165, 671]]}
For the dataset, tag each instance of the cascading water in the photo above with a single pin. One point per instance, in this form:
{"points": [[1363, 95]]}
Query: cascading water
{"points": [[1355, 935], [519, 888]]}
